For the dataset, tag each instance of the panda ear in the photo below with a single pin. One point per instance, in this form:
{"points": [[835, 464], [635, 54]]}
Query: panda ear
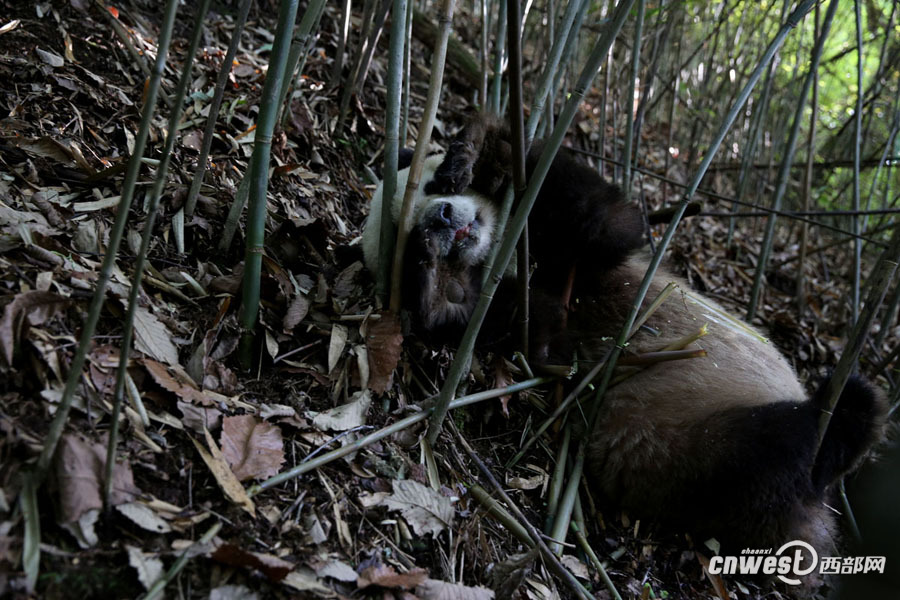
{"points": [[479, 156], [404, 158]]}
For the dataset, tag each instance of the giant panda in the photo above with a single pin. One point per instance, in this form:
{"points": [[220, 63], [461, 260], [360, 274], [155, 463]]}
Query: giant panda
{"points": [[722, 446]]}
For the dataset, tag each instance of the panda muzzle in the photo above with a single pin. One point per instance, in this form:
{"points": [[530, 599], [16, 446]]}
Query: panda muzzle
{"points": [[462, 233]]}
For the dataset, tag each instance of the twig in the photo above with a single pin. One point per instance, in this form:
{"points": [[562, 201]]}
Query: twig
{"points": [[535, 535], [387, 431]]}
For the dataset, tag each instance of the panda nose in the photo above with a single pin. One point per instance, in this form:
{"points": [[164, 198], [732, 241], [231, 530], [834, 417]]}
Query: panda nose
{"points": [[446, 213]]}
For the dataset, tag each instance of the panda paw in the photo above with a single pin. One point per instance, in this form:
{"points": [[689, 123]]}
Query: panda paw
{"points": [[480, 157], [857, 424]]}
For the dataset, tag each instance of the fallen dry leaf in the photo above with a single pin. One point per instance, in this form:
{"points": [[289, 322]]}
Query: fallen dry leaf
{"points": [[271, 566], [175, 381], [383, 344], [346, 416], [385, 576], [253, 448], [423, 508], [434, 589], [336, 345], [199, 418], [148, 566], [153, 338], [26, 310], [80, 467], [296, 312], [223, 474]]}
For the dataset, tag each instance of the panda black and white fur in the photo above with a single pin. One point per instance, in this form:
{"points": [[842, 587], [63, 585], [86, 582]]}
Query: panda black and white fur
{"points": [[722, 446]]}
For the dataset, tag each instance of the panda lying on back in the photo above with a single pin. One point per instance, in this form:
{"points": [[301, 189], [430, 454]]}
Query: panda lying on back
{"points": [[722, 446]]}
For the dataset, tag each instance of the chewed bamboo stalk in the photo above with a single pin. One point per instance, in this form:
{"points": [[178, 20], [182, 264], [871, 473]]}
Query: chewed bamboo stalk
{"points": [[657, 302]]}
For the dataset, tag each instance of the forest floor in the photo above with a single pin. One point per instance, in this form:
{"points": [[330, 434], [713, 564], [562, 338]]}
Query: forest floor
{"points": [[369, 525]]}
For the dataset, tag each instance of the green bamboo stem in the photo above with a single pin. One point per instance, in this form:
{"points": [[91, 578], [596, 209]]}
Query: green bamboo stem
{"points": [[31, 534], [496, 510], [807, 181], [343, 36], [761, 109], [259, 179], [407, 70], [534, 534], [300, 47], [517, 225], [115, 238], [404, 225], [233, 220], [190, 203], [147, 235], [499, 46], [557, 481], [879, 281], [391, 147], [857, 148], [629, 98], [586, 546], [563, 513], [485, 28], [787, 160], [389, 430], [520, 148], [568, 31]]}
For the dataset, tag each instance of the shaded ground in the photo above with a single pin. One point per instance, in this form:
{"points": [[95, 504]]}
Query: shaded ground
{"points": [[70, 98]]}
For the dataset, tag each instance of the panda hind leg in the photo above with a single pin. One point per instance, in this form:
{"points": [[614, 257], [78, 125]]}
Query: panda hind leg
{"points": [[857, 424], [763, 482]]}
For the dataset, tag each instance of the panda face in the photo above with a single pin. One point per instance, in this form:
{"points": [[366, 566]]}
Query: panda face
{"points": [[446, 248], [457, 228]]}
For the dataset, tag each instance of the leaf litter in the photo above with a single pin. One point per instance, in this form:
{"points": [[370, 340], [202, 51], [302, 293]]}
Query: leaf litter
{"points": [[370, 525]]}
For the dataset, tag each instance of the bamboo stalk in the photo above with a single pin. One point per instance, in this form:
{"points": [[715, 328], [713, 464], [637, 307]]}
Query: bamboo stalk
{"points": [[115, 238], [146, 236], [629, 98], [520, 148], [784, 171], [259, 179], [807, 181], [300, 47], [558, 479], [514, 230], [221, 80], [857, 149], [391, 148], [499, 45], [156, 590], [384, 432], [878, 283], [404, 223]]}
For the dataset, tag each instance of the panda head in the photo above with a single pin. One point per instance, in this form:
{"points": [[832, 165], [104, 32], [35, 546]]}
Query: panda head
{"points": [[457, 227], [448, 243]]}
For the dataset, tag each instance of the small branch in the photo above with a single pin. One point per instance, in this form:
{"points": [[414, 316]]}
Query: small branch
{"points": [[535, 536], [387, 431]]}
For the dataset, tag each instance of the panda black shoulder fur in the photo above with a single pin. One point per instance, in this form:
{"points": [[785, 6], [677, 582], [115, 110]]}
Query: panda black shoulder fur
{"points": [[721, 446]]}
